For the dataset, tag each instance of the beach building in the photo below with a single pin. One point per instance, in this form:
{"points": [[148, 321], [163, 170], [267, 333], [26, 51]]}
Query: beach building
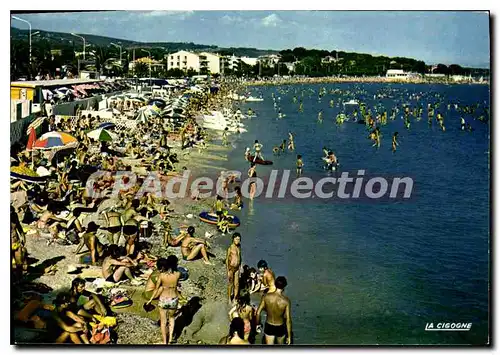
{"points": [[249, 60], [396, 73], [269, 60], [209, 62], [184, 60]]}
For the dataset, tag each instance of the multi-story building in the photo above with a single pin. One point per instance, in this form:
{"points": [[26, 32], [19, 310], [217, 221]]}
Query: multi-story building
{"points": [[269, 60], [183, 60], [249, 61], [209, 63]]}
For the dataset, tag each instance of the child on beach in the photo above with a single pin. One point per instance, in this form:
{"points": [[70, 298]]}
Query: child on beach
{"points": [[238, 199]]}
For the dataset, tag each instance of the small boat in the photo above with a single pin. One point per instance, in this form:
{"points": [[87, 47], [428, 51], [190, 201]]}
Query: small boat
{"points": [[254, 99], [211, 218], [259, 161], [351, 102]]}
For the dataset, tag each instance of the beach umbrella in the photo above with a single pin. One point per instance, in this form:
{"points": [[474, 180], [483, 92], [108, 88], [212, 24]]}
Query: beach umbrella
{"points": [[35, 124], [102, 135], [26, 174], [107, 125], [31, 140], [52, 140]]}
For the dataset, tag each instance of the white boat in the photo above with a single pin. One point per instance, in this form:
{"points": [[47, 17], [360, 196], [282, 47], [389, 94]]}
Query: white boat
{"points": [[351, 102], [222, 127], [254, 99]]}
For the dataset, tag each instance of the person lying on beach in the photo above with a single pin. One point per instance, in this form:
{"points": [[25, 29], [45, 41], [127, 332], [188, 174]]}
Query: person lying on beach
{"points": [[94, 303], [92, 243], [192, 247], [34, 313], [115, 266]]}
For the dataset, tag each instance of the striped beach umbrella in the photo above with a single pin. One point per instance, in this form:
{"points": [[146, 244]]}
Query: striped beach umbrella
{"points": [[35, 124], [52, 140], [101, 134], [107, 125]]}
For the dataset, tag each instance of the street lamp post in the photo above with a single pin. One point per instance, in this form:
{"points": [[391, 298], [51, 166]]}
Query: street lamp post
{"points": [[149, 53], [83, 43], [118, 46], [29, 24]]}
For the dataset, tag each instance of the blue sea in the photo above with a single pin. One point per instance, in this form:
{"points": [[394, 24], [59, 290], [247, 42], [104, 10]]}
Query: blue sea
{"points": [[376, 272]]}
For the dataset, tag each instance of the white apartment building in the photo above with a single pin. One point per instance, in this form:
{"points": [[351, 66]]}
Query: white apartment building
{"points": [[183, 60], [269, 60], [210, 62], [249, 61]]}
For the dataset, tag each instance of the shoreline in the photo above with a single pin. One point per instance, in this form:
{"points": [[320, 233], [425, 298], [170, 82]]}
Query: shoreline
{"points": [[206, 285], [333, 80]]}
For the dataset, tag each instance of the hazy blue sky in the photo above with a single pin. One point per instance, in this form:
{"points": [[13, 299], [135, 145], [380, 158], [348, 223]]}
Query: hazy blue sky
{"points": [[435, 37]]}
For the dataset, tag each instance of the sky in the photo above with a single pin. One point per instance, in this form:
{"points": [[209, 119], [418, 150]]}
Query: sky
{"points": [[435, 37]]}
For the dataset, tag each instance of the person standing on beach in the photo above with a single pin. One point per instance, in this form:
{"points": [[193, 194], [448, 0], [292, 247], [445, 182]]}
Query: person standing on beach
{"points": [[166, 288], [279, 316], [233, 264]]}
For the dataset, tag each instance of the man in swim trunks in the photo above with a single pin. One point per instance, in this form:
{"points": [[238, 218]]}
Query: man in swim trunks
{"points": [[233, 264], [279, 316], [191, 247]]}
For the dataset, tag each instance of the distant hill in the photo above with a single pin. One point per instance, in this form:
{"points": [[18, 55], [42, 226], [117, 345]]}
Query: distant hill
{"points": [[101, 41]]}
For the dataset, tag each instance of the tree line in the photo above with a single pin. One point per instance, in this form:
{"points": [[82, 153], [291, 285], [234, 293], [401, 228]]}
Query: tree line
{"points": [[58, 59]]}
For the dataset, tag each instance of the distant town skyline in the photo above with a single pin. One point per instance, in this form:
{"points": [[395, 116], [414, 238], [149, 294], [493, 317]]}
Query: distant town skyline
{"points": [[432, 36]]}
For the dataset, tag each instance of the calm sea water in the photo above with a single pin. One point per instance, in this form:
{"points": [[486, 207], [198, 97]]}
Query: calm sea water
{"points": [[376, 273]]}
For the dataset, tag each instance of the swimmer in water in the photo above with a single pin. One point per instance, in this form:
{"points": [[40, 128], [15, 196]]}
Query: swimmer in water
{"points": [[258, 148], [300, 165], [247, 154], [462, 123], [291, 144], [283, 146], [395, 142], [320, 116]]}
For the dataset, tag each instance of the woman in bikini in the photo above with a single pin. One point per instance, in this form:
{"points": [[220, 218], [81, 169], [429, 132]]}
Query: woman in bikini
{"points": [[252, 174], [166, 287], [245, 311]]}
